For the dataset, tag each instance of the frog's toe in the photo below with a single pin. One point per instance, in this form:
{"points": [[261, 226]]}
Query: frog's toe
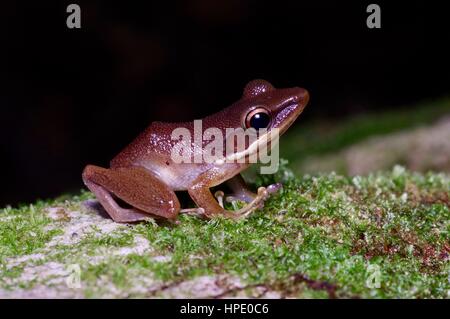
{"points": [[273, 188], [219, 196], [255, 204]]}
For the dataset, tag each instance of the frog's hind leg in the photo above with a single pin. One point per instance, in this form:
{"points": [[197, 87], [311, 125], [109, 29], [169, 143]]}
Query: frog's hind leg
{"points": [[117, 213], [147, 195]]}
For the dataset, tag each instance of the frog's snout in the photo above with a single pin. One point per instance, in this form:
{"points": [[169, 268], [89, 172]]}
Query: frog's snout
{"points": [[301, 96]]}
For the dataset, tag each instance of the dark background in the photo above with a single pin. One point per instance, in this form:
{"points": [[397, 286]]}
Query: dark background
{"points": [[75, 96]]}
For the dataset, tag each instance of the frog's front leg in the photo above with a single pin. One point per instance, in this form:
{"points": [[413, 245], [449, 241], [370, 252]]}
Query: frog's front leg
{"points": [[203, 197], [201, 194], [240, 190], [147, 195]]}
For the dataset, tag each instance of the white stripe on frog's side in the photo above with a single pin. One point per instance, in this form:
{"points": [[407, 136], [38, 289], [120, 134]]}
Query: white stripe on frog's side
{"points": [[260, 144]]}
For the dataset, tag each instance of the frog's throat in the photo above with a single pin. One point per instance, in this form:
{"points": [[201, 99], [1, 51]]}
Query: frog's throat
{"points": [[259, 145]]}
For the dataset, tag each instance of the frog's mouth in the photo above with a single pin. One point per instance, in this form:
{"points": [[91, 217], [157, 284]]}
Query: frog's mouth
{"points": [[261, 144]]}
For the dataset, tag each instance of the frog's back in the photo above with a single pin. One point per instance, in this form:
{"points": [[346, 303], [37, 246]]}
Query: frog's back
{"points": [[154, 142]]}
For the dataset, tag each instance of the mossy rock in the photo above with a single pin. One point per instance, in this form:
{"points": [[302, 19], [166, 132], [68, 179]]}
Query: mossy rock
{"points": [[385, 235]]}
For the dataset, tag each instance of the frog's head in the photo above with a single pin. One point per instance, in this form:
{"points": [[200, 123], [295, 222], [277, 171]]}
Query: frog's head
{"points": [[262, 108], [268, 107]]}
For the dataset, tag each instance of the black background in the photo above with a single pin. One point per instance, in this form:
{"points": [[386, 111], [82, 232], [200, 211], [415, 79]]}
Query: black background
{"points": [[75, 96]]}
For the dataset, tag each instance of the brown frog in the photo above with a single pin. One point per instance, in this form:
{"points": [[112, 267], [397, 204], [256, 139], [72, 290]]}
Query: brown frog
{"points": [[145, 176]]}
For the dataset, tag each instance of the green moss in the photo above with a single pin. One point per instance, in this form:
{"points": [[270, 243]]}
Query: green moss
{"points": [[116, 239], [22, 230], [350, 234], [330, 228]]}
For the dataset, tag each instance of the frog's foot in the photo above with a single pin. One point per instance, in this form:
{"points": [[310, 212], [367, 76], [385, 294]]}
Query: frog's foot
{"points": [[214, 205], [233, 199], [255, 204], [241, 192], [219, 195]]}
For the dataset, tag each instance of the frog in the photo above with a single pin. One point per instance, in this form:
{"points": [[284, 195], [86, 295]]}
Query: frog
{"points": [[143, 180]]}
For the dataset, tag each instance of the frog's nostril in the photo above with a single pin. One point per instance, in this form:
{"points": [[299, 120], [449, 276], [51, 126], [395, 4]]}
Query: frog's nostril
{"points": [[301, 93], [302, 96]]}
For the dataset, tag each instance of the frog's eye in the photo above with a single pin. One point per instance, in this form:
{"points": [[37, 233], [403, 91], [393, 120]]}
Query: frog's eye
{"points": [[257, 118]]}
